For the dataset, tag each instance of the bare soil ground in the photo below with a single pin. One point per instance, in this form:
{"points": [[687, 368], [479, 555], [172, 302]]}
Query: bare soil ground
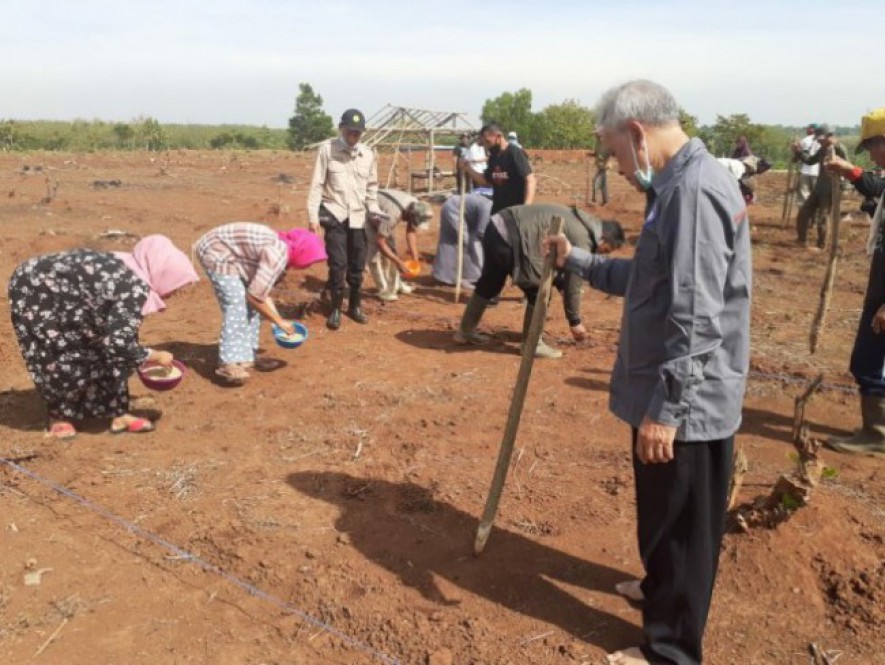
{"points": [[347, 484]]}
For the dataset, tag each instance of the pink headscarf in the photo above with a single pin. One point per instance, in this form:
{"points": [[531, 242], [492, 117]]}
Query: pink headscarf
{"points": [[305, 248], [162, 265]]}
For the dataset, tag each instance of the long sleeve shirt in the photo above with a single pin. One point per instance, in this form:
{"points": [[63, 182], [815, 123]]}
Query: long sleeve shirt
{"points": [[252, 252], [871, 186], [824, 178], [345, 181], [684, 349]]}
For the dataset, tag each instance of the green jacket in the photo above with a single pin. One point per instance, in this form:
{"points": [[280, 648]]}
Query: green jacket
{"points": [[529, 224]]}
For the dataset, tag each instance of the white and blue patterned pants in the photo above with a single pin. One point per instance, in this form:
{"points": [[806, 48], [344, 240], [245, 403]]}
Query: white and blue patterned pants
{"points": [[240, 324]]}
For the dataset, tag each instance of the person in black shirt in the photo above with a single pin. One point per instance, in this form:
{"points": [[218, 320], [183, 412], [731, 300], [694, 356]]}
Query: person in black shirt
{"points": [[508, 173]]}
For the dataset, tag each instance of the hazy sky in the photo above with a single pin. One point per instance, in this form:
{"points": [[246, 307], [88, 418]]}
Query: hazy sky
{"points": [[227, 61]]}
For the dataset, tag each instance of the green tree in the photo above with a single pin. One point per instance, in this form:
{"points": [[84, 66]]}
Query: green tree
{"points": [[721, 137], [124, 134], [689, 122], [310, 123], [9, 135], [513, 112], [563, 126], [151, 135]]}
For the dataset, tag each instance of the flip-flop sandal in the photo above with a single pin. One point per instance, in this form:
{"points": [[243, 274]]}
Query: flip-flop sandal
{"points": [[233, 374], [136, 426], [266, 364], [61, 431]]}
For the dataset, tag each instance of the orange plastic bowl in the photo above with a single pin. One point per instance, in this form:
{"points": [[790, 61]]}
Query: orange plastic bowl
{"points": [[413, 268]]}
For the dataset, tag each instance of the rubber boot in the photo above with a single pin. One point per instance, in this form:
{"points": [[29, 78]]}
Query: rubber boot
{"points": [[869, 439], [353, 307], [542, 350], [334, 320], [466, 333], [385, 290]]}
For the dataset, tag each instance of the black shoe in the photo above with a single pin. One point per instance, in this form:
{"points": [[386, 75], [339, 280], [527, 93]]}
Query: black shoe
{"points": [[353, 309], [334, 320]]}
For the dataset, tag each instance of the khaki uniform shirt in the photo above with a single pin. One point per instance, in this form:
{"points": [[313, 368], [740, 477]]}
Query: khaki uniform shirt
{"points": [[345, 180]]}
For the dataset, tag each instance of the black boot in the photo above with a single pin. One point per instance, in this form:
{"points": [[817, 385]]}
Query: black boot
{"points": [[334, 320], [353, 308]]}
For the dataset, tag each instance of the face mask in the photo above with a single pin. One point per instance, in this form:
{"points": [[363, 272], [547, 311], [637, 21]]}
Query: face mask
{"points": [[643, 178]]}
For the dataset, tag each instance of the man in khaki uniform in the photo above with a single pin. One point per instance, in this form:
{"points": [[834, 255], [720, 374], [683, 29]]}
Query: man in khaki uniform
{"points": [[343, 190]]}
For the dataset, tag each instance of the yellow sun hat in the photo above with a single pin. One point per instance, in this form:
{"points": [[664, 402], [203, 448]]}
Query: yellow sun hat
{"points": [[871, 126]]}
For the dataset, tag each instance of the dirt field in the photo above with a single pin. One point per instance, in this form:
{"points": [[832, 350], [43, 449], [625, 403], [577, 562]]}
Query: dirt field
{"points": [[335, 500]]}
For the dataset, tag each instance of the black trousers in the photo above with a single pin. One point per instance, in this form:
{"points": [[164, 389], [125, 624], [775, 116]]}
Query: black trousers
{"points": [[497, 266], [868, 354], [346, 248], [681, 517]]}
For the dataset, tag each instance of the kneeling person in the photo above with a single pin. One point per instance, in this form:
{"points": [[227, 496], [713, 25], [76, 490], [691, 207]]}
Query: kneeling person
{"points": [[512, 245]]}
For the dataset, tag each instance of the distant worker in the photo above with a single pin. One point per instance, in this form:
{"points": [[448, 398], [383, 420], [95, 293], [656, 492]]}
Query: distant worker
{"points": [[815, 209], [741, 148], [868, 355], [512, 248], [807, 172], [344, 188], [384, 262], [509, 172], [477, 209], [743, 170], [600, 180], [513, 139], [477, 160], [459, 152]]}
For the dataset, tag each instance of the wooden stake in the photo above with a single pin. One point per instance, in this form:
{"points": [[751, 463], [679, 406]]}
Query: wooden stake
{"points": [[460, 269], [830, 277], [799, 407], [529, 344], [788, 194]]}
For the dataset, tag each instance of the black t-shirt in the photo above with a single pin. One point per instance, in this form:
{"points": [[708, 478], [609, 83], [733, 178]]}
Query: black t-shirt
{"points": [[507, 171]]}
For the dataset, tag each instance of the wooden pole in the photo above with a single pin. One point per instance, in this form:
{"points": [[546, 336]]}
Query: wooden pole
{"points": [[826, 291], [460, 269], [788, 195], [530, 343]]}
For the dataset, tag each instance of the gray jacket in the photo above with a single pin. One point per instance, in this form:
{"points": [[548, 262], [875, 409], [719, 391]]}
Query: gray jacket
{"points": [[685, 333]]}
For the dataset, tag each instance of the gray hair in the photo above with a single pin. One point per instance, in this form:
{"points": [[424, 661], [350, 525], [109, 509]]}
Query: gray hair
{"points": [[646, 102]]}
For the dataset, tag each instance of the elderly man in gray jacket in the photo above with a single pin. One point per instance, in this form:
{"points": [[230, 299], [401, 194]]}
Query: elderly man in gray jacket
{"points": [[682, 362]]}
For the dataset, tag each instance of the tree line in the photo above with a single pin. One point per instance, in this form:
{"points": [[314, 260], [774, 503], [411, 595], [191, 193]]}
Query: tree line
{"points": [[565, 125]]}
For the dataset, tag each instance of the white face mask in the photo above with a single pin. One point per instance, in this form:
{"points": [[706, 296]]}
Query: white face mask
{"points": [[643, 178]]}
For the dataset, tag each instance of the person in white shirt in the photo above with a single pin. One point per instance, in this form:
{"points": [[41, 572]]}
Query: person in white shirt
{"points": [[477, 158], [807, 172]]}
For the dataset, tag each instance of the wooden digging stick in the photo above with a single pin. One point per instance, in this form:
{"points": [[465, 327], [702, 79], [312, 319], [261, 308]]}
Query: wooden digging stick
{"points": [[460, 270], [529, 344], [788, 195], [826, 291]]}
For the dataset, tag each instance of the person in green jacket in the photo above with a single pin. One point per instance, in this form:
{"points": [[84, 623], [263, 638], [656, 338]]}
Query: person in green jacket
{"points": [[512, 246]]}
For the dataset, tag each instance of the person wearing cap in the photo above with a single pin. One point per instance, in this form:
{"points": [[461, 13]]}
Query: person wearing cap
{"points": [[513, 139], [807, 172], [818, 204], [868, 354], [512, 248], [344, 189], [244, 261], [508, 172], [744, 170], [385, 265]]}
